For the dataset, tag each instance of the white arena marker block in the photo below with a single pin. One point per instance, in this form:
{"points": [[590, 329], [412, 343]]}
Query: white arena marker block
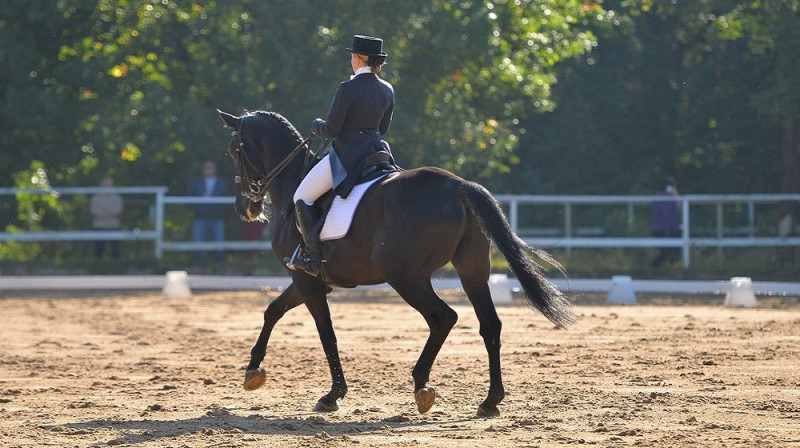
{"points": [[176, 286], [621, 291], [500, 289], [741, 293]]}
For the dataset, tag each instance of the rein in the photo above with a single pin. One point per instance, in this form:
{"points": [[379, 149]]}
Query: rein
{"points": [[257, 189]]}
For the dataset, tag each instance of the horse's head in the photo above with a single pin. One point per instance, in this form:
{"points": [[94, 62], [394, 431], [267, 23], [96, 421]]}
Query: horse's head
{"points": [[250, 189]]}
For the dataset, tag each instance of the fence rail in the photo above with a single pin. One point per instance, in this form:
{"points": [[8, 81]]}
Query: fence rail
{"points": [[751, 211]]}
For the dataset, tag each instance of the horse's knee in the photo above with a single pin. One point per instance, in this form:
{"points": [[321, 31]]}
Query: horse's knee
{"points": [[274, 312]]}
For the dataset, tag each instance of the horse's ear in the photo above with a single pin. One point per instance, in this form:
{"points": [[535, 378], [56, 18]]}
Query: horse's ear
{"points": [[229, 120]]}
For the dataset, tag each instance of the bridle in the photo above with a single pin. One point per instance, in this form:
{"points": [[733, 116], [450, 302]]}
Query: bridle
{"points": [[255, 188]]}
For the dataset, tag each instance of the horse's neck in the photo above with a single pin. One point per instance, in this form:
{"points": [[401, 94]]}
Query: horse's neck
{"points": [[280, 200], [284, 236], [282, 190]]}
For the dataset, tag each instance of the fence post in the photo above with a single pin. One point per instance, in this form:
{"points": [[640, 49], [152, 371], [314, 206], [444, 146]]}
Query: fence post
{"points": [[513, 214], [685, 231], [630, 217], [720, 232], [159, 242], [568, 227]]}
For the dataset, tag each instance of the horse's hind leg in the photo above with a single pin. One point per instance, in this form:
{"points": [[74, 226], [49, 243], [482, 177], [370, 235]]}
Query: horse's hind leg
{"points": [[440, 319], [481, 299], [472, 264], [255, 376]]}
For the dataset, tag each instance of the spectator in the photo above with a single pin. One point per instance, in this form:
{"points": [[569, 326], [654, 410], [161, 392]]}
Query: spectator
{"points": [[253, 231], [208, 218], [666, 222], [106, 209]]}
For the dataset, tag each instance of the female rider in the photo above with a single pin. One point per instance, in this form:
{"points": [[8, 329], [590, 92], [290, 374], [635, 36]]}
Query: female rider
{"points": [[360, 114]]}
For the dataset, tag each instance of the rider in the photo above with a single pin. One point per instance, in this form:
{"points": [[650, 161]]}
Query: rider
{"points": [[360, 114]]}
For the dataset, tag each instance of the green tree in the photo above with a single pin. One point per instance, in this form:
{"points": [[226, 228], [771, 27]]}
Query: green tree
{"points": [[472, 71], [38, 112], [663, 94], [770, 33], [129, 87]]}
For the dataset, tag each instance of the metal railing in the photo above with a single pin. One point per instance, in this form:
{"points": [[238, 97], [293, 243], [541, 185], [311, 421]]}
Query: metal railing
{"points": [[135, 234], [590, 230], [688, 239]]}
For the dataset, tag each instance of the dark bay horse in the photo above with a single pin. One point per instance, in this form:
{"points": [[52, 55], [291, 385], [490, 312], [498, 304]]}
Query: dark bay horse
{"points": [[407, 226]]}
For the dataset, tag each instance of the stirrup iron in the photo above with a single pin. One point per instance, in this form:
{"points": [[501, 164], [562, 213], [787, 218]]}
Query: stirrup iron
{"points": [[301, 261], [290, 262]]}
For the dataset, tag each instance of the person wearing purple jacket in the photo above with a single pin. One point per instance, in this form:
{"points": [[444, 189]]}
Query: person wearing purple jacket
{"points": [[359, 116], [665, 222]]}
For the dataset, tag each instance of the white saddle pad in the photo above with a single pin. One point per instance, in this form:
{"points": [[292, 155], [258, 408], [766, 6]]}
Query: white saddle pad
{"points": [[340, 216]]}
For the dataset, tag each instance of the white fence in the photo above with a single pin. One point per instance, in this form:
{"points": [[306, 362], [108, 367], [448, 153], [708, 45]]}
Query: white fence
{"points": [[730, 221], [721, 234], [278, 283]]}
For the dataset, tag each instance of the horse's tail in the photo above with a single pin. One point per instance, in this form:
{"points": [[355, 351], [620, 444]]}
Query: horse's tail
{"points": [[540, 292]]}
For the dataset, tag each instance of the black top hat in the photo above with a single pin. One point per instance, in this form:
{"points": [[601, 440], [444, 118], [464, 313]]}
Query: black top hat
{"points": [[370, 46]]}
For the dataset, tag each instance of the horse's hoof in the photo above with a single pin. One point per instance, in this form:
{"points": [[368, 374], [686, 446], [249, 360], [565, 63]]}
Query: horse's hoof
{"points": [[425, 398], [488, 411], [322, 406], [254, 378]]}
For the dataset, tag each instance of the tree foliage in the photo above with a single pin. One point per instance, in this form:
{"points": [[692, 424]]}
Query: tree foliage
{"points": [[699, 90], [770, 34], [703, 90], [129, 87]]}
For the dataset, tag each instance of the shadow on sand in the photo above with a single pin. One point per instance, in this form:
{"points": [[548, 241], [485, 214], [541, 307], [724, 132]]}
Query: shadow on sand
{"points": [[221, 421]]}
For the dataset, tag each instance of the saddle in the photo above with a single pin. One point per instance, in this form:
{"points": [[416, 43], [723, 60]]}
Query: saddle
{"points": [[375, 165], [372, 168]]}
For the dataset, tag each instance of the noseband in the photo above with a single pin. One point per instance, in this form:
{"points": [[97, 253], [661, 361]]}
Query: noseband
{"points": [[254, 189]]}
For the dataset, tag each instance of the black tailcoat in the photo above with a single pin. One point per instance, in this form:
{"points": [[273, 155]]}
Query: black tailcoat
{"points": [[360, 114]]}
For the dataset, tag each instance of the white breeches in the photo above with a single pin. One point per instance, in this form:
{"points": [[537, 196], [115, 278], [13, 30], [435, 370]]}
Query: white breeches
{"points": [[316, 183]]}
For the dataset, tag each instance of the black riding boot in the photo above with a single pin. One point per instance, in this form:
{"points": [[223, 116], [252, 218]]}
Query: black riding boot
{"points": [[309, 260]]}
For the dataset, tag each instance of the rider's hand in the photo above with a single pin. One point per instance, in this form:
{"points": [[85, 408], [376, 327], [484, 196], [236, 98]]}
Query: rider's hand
{"points": [[316, 125]]}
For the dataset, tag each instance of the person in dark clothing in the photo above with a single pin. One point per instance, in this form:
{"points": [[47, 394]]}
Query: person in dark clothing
{"points": [[359, 115], [106, 209], [666, 222], [209, 218]]}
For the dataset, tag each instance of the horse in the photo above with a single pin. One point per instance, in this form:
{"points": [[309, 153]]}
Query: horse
{"points": [[407, 226]]}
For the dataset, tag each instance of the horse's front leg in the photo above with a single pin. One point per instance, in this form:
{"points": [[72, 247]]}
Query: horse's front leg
{"points": [[255, 376], [317, 304]]}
